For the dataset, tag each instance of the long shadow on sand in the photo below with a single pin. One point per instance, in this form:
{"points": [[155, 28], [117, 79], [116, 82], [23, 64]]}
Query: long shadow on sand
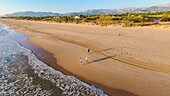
{"points": [[108, 49], [101, 59]]}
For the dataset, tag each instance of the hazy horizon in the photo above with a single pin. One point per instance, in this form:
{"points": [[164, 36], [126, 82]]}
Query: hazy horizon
{"points": [[11, 6]]}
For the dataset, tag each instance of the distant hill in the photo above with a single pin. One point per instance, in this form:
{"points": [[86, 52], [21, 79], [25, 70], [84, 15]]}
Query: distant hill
{"points": [[124, 10], [165, 7], [33, 14]]}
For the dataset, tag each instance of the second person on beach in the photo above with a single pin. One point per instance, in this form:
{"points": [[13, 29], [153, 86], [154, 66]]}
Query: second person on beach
{"points": [[86, 59], [81, 60]]}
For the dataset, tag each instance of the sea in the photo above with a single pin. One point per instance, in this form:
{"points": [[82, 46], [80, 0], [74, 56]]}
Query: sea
{"points": [[22, 73]]}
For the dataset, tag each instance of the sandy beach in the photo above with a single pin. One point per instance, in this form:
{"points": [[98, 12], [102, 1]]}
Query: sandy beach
{"points": [[122, 61]]}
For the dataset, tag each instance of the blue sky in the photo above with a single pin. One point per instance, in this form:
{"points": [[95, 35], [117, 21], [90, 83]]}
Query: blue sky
{"points": [[62, 6]]}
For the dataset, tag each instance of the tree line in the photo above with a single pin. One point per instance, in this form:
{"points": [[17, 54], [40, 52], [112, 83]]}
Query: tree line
{"points": [[126, 19]]}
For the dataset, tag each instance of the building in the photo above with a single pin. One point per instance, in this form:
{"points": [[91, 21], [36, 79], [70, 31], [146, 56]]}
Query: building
{"points": [[77, 17]]}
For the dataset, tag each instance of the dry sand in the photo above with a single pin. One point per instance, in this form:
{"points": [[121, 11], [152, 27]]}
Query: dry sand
{"points": [[123, 61]]}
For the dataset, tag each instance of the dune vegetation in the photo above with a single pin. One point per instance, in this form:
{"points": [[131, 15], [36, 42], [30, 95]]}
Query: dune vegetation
{"points": [[126, 19]]}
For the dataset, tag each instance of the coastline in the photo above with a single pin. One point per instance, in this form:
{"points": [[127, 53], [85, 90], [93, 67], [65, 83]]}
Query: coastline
{"points": [[50, 60], [37, 39], [25, 67]]}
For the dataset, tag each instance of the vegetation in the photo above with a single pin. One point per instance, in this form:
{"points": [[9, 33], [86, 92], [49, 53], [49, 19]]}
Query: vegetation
{"points": [[126, 19]]}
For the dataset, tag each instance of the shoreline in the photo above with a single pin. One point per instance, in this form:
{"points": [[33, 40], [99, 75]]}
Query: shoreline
{"points": [[65, 40], [39, 52], [51, 61]]}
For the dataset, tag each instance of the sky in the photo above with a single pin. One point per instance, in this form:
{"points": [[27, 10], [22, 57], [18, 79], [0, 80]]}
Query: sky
{"points": [[63, 6]]}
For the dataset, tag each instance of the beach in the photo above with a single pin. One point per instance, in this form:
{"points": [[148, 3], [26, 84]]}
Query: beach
{"points": [[122, 61], [24, 70]]}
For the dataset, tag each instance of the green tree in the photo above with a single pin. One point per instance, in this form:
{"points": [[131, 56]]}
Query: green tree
{"points": [[166, 16]]}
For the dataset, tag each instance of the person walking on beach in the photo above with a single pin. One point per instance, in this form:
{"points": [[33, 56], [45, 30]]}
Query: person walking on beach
{"points": [[81, 61], [86, 59], [88, 50]]}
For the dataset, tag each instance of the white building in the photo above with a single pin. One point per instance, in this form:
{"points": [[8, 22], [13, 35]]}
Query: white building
{"points": [[77, 17]]}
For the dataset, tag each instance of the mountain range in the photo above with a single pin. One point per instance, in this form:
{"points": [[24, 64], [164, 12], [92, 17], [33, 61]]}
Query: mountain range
{"points": [[165, 7]]}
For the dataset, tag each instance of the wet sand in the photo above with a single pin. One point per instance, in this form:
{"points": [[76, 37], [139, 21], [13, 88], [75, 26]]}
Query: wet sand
{"points": [[121, 58]]}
